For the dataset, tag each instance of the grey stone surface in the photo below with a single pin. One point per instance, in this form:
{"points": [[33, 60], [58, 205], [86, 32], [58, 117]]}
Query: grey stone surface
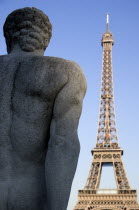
{"points": [[40, 106]]}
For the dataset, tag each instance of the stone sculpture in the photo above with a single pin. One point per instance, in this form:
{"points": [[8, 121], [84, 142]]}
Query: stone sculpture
{"points": [[40, 105]]}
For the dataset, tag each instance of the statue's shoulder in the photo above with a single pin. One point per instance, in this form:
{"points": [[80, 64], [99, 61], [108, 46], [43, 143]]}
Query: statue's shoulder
{"points": [[59, 61], [2, 57], [75, 73], [71, 67]]}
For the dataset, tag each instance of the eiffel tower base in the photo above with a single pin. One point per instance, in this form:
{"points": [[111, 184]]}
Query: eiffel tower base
{"points": [[107, 200], [92, 198]]}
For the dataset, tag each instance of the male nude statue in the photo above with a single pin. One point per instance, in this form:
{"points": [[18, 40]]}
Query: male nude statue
{"points": [[40, 106]]}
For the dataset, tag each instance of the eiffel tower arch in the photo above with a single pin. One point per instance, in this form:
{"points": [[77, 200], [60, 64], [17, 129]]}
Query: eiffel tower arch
{"points": [[106, 208], [107, 149], [122, 207]]}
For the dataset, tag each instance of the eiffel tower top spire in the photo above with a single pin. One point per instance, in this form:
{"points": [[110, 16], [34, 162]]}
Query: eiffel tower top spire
{"points": [[107, 22], [107, 36]]}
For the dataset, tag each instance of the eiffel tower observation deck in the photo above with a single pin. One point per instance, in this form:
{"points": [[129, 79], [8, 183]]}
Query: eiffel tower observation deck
{"points": [[107, 149]]}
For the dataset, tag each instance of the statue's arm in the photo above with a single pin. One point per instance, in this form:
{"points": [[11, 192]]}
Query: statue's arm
{"points": [[63, 148]]}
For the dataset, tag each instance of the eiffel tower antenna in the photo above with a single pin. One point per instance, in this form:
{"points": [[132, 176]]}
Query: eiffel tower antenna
{"points": [[107, 22], [107, 149]]}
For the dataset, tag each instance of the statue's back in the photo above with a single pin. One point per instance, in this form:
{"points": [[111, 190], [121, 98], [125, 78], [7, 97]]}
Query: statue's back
{"points": [[28, 87]]}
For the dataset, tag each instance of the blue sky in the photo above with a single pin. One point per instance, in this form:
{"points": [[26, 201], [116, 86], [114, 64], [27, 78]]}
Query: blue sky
{"points": [[78, 26]]}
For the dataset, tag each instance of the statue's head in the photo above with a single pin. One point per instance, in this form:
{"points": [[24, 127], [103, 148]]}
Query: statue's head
{"points": [[29, 28]]}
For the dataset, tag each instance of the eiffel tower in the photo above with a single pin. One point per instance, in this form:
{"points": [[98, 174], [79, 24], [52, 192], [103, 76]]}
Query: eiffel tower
{"points": [[107, 149]]}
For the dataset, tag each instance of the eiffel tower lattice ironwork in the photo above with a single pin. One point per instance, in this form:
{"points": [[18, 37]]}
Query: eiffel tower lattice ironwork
{"points": [[107, 149]]}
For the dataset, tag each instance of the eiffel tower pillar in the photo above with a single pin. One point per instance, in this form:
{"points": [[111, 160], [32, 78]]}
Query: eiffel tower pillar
{"points": [[107, 149]]}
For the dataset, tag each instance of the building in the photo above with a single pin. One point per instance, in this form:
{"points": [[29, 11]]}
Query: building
{"points": [[107, 149]]}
